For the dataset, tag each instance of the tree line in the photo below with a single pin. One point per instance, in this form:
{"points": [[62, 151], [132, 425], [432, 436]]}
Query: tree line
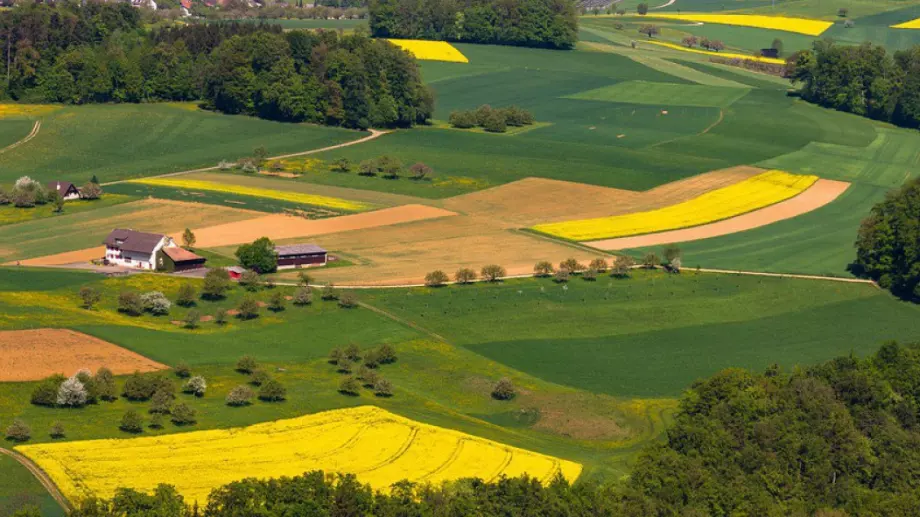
{"points": [[524, 23], [100, 54], [865, 80]]}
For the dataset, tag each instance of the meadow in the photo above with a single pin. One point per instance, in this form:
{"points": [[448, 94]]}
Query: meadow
{"points": [[20, 488], [12, 131]]}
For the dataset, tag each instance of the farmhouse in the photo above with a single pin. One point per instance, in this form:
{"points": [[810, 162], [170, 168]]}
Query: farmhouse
{"points": [[174, 259], [135, 249], [65, 189], [299, 255]]}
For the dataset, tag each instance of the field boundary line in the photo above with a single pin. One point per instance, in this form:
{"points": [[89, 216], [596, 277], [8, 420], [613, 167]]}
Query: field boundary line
{"points": [[375, 133], [789, 275], [701, 133], [41, 476], [35, 129], [405, 322]]}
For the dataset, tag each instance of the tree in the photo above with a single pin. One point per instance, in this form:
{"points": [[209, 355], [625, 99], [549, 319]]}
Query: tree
{"points": [[90, 297], [589, 275], [336, 355], [216, 284], [183, 414], [246, 364], [195, 386], [183, 371], [192, 319], [348, 300], [272, 391], [259, 377], [716, 45], [503, 390], [561, 276], [571, 266], [57, 430], [420, 171], [132, 422], [19, 431], [599, 265], [383, 388], [156, 421], [220, 317], [843, 12], [250, 280], [345, 365], [161, 402], [649, 30], [493, 272], [259, 256], [241, 395], [155, 303], [94, 180], [341, 165], [622, 266], [650, 260], [367, 168], [247, 309], [367, 376], [186, 295], [543, 268], [465, 276], [259, 154], [45, 394], [303, 296], [350, 386], [690, 41], [495, 122], [642, 8], [188, 238], [462, 119], [329, 293], [436, 278], [386, 354], [105, 385], [671, 252], [72, 393], [90, 191], [303, 279], [389, 166], [57, 202], [129, 302], [777, 45]]}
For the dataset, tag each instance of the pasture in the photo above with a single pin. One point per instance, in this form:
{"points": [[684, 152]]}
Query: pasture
{"points": [[20, 488]]}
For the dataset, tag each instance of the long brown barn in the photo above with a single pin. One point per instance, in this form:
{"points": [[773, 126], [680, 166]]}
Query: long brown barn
{"points": [[300, 255]]}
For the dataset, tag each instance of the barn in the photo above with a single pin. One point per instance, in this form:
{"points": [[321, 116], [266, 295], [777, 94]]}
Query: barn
{"points": [[300, 255], [175, 259]]}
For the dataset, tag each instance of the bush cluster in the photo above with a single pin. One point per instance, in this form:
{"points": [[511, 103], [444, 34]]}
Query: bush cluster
{"points": [[361, 369], [493, 120]]}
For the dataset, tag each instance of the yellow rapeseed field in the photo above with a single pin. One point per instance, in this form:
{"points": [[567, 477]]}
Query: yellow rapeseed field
{"points": [[25, 110], [376, 445], [780, 23], [912, 24], [727, 55], [293, 197], [431, 50], [751, 194]]}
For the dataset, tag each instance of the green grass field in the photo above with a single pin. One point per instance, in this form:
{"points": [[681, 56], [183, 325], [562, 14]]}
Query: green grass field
{"points": [[128, 141], [10, 214], [664, 94], [19, 488], [13, 130]]}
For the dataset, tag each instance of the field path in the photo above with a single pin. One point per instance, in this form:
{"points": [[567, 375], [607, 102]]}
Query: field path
{"points": [[662, 6], [35, 129], [375, 133], [40, 476]]}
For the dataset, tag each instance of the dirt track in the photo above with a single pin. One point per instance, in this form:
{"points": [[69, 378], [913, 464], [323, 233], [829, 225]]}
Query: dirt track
{"points": [[818, 195], [40, 476], [30, 355]]}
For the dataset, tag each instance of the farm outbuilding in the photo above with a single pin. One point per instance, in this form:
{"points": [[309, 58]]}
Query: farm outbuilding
{"points": [[236, 272], [300, 255], [174, 259]]}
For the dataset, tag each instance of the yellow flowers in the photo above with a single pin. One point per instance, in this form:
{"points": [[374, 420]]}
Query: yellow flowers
{"points": [[431, 50], [765, 189], [376, 445], [25, 110], [727, 55], [780, 23], [293, 197], [912, 24]]}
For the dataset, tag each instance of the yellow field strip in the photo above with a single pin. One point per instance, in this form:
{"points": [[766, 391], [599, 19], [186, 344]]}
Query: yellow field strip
{"points": [[293, 197], [912, 24], [754, 193], [431, 50], [780, 23], [376, 445], [726, 55], [26, 110]]}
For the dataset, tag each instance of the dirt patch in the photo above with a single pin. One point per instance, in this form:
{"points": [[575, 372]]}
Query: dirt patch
{"points": [[207, 318], [68, 257], [818, 195], [278, 227], [30, 355], [278, 174]]}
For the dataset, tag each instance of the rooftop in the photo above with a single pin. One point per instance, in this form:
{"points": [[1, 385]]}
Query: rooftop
{"points": [[130, 240], [298, 249]]}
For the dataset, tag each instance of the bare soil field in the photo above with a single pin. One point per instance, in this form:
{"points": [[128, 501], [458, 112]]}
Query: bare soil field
{"points": [[279, 226], [30, 355], [533, 201], [821, 193], [68, 257]]}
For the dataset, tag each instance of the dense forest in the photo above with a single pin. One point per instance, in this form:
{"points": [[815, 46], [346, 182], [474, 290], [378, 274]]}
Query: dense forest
{"points": [[888, 245], [100, 53], [525, 23], [865, 80], [840, 438]]}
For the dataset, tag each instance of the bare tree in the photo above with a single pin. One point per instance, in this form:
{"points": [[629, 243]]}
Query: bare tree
{"points": [[493, 272], [543, 268]]}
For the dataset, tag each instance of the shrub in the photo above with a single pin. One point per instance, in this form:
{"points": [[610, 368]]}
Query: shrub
{"points": [[599, 265], [105, 384], [132, 422], [240, 396], [156, 421], [843, 12], [259, 256], [183, 414], [336, 355], [216, 284], [329, 293], [383, 388], [303, 296], [650, 260], [183, 371], [129, 302], [495, 123], [90, 297], [276, 302], [195, 386], [465, 276], [350, 386], [250, 280], [138, 388], [543, 268], [248, 309], [386, 354], [91, 191], [348, 300], [642, 8], [19, 431], [372, 359], [352, 352], [246, 364], [345, 365], [571, 266], [462, 119], [493, 272], [57, 430], [503, 390], [420, 171], [186, 295], [155, 303], [436, 278], [220, 317], [161, 402], [482, 114], [192, 318], [45, 394], [367, 376], [561, 276], [272, 391], [590, 275], [622, 266], [259, 377], [72, 393]]}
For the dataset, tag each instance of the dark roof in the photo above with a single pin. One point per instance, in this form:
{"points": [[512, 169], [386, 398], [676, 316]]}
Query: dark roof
{"points": [[178, 254], [130, 240], [62, 187], [299, 249]]}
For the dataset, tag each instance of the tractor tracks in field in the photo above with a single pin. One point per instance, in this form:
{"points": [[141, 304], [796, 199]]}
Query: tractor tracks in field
{"points": [[35, 129], [40, 475], [375, 133]]}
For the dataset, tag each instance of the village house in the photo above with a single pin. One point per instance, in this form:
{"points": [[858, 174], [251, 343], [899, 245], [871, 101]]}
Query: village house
{"points": [[135, 249], [300, 255], [65, 189]]}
